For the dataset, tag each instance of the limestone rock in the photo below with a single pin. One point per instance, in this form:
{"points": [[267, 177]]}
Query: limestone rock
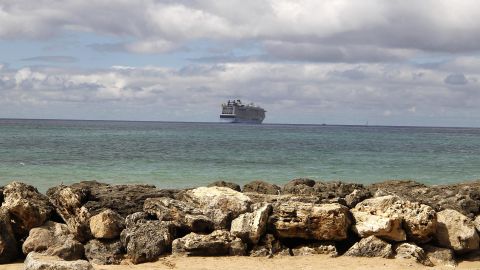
{"points": [[251, 226], [218, 243], [411, 251], [104, 251], [357, 196], [233, 186], [37, 261], [371, 246], [395, 219], [440, 256], [316, 248], [28, 208], [221, 204], [269, 246], [136, 217], [310, 221], [261, 187], [299, 186], [456, 231], [145, 241], [8, 243], [476, 222], [107, 224], [367, 224], [188, 217], [463, 197], [53, 239], [78, 202], [346, 193]]}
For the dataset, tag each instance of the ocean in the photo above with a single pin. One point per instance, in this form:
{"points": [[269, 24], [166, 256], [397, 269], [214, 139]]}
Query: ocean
{"points": [[46, 153]]}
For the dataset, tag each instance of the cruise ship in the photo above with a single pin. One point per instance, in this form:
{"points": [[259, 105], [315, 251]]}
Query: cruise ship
{"points": [[236, 112]]}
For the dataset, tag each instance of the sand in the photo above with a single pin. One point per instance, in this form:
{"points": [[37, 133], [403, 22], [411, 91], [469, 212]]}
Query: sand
{"points": [[288, 263]]}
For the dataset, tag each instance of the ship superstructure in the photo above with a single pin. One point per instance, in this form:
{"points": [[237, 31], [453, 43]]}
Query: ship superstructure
{"points": [[235, 112]]}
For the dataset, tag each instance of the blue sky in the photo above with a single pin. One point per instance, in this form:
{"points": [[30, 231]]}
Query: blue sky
{"points": [[336, 61]]}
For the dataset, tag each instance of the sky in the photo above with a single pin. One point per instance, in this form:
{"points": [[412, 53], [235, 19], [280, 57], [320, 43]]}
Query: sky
{"points": [[396, 62]]}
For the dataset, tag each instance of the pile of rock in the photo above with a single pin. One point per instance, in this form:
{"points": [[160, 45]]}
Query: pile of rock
{"points": [[89, 222]]}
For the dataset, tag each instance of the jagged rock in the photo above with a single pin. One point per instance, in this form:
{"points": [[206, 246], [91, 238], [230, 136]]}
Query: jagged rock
{"points": [[104, 251], [233, 186], [269, 246], [316, 248], [78, 202], [219, 203], [346, 193], [218, 243], [299, 186], [371, 246], [463, 197], [440, 256], [251, 226], [8, 243], [145, 241], [37, 261], [28, 208], [107, 224], [419, 220], [53, 239], [132, 219], [456, 231], [367, 224], [411, 251], [310, 221], [262, 187], [189, 218], [476, 222]]}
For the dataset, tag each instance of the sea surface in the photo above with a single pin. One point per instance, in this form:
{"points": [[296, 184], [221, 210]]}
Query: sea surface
{"points": [[46, 153]]}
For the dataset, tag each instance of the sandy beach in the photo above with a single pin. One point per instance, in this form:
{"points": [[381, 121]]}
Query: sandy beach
{"points": [[293, 263]]}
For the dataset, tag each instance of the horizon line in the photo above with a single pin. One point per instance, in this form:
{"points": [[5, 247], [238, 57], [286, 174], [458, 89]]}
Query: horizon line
{"points": [[207, 122]]}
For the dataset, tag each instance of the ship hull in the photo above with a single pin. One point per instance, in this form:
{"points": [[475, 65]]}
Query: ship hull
{"points": [[242, 121]]}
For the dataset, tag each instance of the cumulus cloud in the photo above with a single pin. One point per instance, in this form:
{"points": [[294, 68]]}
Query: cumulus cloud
{"points": [[456, 79], [340, 30]]}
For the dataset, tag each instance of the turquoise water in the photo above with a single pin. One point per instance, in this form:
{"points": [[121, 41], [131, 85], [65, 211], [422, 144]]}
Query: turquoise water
{"points": [[48, 152]]}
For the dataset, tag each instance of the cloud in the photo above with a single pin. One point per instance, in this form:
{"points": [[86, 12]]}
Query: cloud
{"points": [[306, 30], [456, 79], [51, 59]]}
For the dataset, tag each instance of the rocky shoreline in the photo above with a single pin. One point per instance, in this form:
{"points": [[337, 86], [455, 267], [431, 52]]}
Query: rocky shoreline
{"points": [[75, 226]]}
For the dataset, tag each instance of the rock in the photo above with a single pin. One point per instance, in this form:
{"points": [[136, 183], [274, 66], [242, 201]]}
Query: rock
{"points": [[262, 187], [218, 243], [251, 226], [8, 243], [104, 251], [233, 186], [107, 224], [456, 231], [299, 186], [463, 197], [147, 240], [367, 224], [476, 222], [53, 239], [411, 251], [78, 202], [310, 221], [440, 256], [218, 203], [419, 220], [269, 246], [347, 193], [136, 217], [371, 246], [189, 218], [316, 248], [28, 208], [37, 261]]}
